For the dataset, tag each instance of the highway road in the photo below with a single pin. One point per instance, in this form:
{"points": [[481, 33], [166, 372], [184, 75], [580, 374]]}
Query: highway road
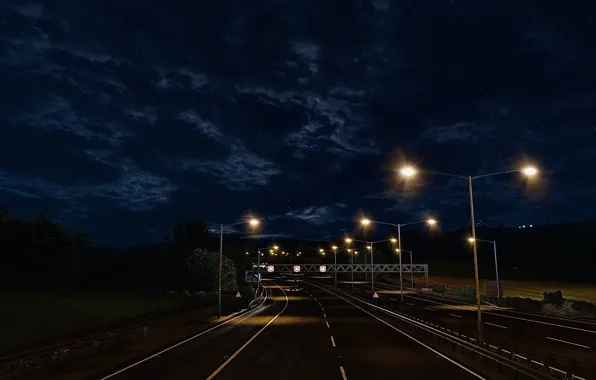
{"points": [[566, 344], [298, 334]]}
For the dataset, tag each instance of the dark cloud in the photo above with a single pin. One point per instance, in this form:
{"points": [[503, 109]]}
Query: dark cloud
{"points": [[128, 117]]}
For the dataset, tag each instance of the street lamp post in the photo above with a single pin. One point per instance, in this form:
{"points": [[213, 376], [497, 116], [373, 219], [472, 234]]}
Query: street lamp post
{"points": [[334, 248], [411, 263], [431, 222], [259, 259], [370, 247], [348, 241], [529, 171], [494, 243], [253, 222]]}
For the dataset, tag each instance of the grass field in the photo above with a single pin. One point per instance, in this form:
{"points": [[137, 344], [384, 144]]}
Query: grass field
{"points": [[529, 289], [26, 317]]}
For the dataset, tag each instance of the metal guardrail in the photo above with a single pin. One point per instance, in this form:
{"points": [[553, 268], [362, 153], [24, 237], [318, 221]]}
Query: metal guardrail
{"points": [[33, 358], [444, 337], [501, 352]]}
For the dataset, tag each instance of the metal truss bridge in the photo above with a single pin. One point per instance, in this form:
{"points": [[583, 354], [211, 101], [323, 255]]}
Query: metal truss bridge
{"points": [[346, 268]]}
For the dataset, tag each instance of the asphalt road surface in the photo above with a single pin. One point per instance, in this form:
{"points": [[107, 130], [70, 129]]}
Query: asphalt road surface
{"points": [[565, 343], [301, 334]]}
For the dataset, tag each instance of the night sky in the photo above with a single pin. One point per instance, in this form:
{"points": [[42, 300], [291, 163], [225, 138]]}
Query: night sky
{"points": [[123, 118]]}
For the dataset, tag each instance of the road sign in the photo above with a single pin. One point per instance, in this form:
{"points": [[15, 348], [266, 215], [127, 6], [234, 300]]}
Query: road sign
{"points": [[323, 269], [375, 295], [296, 268], [238, 295], [270, 268]]}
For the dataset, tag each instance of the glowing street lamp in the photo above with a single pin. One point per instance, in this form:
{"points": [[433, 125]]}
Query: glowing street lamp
{"points": [[253, 223], [528, 171]]}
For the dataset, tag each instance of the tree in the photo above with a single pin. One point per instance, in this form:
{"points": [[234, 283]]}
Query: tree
{"points": [[204, 271]]}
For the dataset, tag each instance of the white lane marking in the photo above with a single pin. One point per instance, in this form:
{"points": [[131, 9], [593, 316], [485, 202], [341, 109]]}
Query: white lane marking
{"points": [[332, 341], [324, 315], [393, 299], [455, 315], [343, 373], [410, 304], [218, 370], [327, 323], [403, 333], [426, 308], [564, 341], [543, 323], [181, 343], [494, 324]]}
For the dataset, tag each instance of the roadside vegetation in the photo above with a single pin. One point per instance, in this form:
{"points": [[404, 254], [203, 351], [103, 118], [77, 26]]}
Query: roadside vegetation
{"points": [[55, 286]]}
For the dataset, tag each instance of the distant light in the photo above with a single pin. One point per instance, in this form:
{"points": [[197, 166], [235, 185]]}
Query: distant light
{"points": [[524, 226], [334, 247], [530, 226], [365, 222], [368, 247], [275, 247], [254, 222], [431, 222], [529, 170], [348, 240], [471, 240], [247, 253], [393, 240], [408, 171]]}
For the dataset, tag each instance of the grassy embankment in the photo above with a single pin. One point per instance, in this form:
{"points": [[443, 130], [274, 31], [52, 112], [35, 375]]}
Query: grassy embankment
{"points": [[28, 317], [528, 289]]}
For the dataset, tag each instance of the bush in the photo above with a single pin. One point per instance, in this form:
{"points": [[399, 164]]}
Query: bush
{"points": [[212, 297], [172, 293], [184, 294], [439, 288], [204, 270], [563, 310], [583, 307], [200, 296], [464, 292], [554, 297], [526, 304]]}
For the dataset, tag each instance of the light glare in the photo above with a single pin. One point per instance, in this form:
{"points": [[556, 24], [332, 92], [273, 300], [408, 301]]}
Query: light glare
{"points": [[530, 171], [365, 222], [408, 171]]}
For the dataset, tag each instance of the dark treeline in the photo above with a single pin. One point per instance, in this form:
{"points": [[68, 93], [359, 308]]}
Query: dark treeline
{"points": [[41, 253]]}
